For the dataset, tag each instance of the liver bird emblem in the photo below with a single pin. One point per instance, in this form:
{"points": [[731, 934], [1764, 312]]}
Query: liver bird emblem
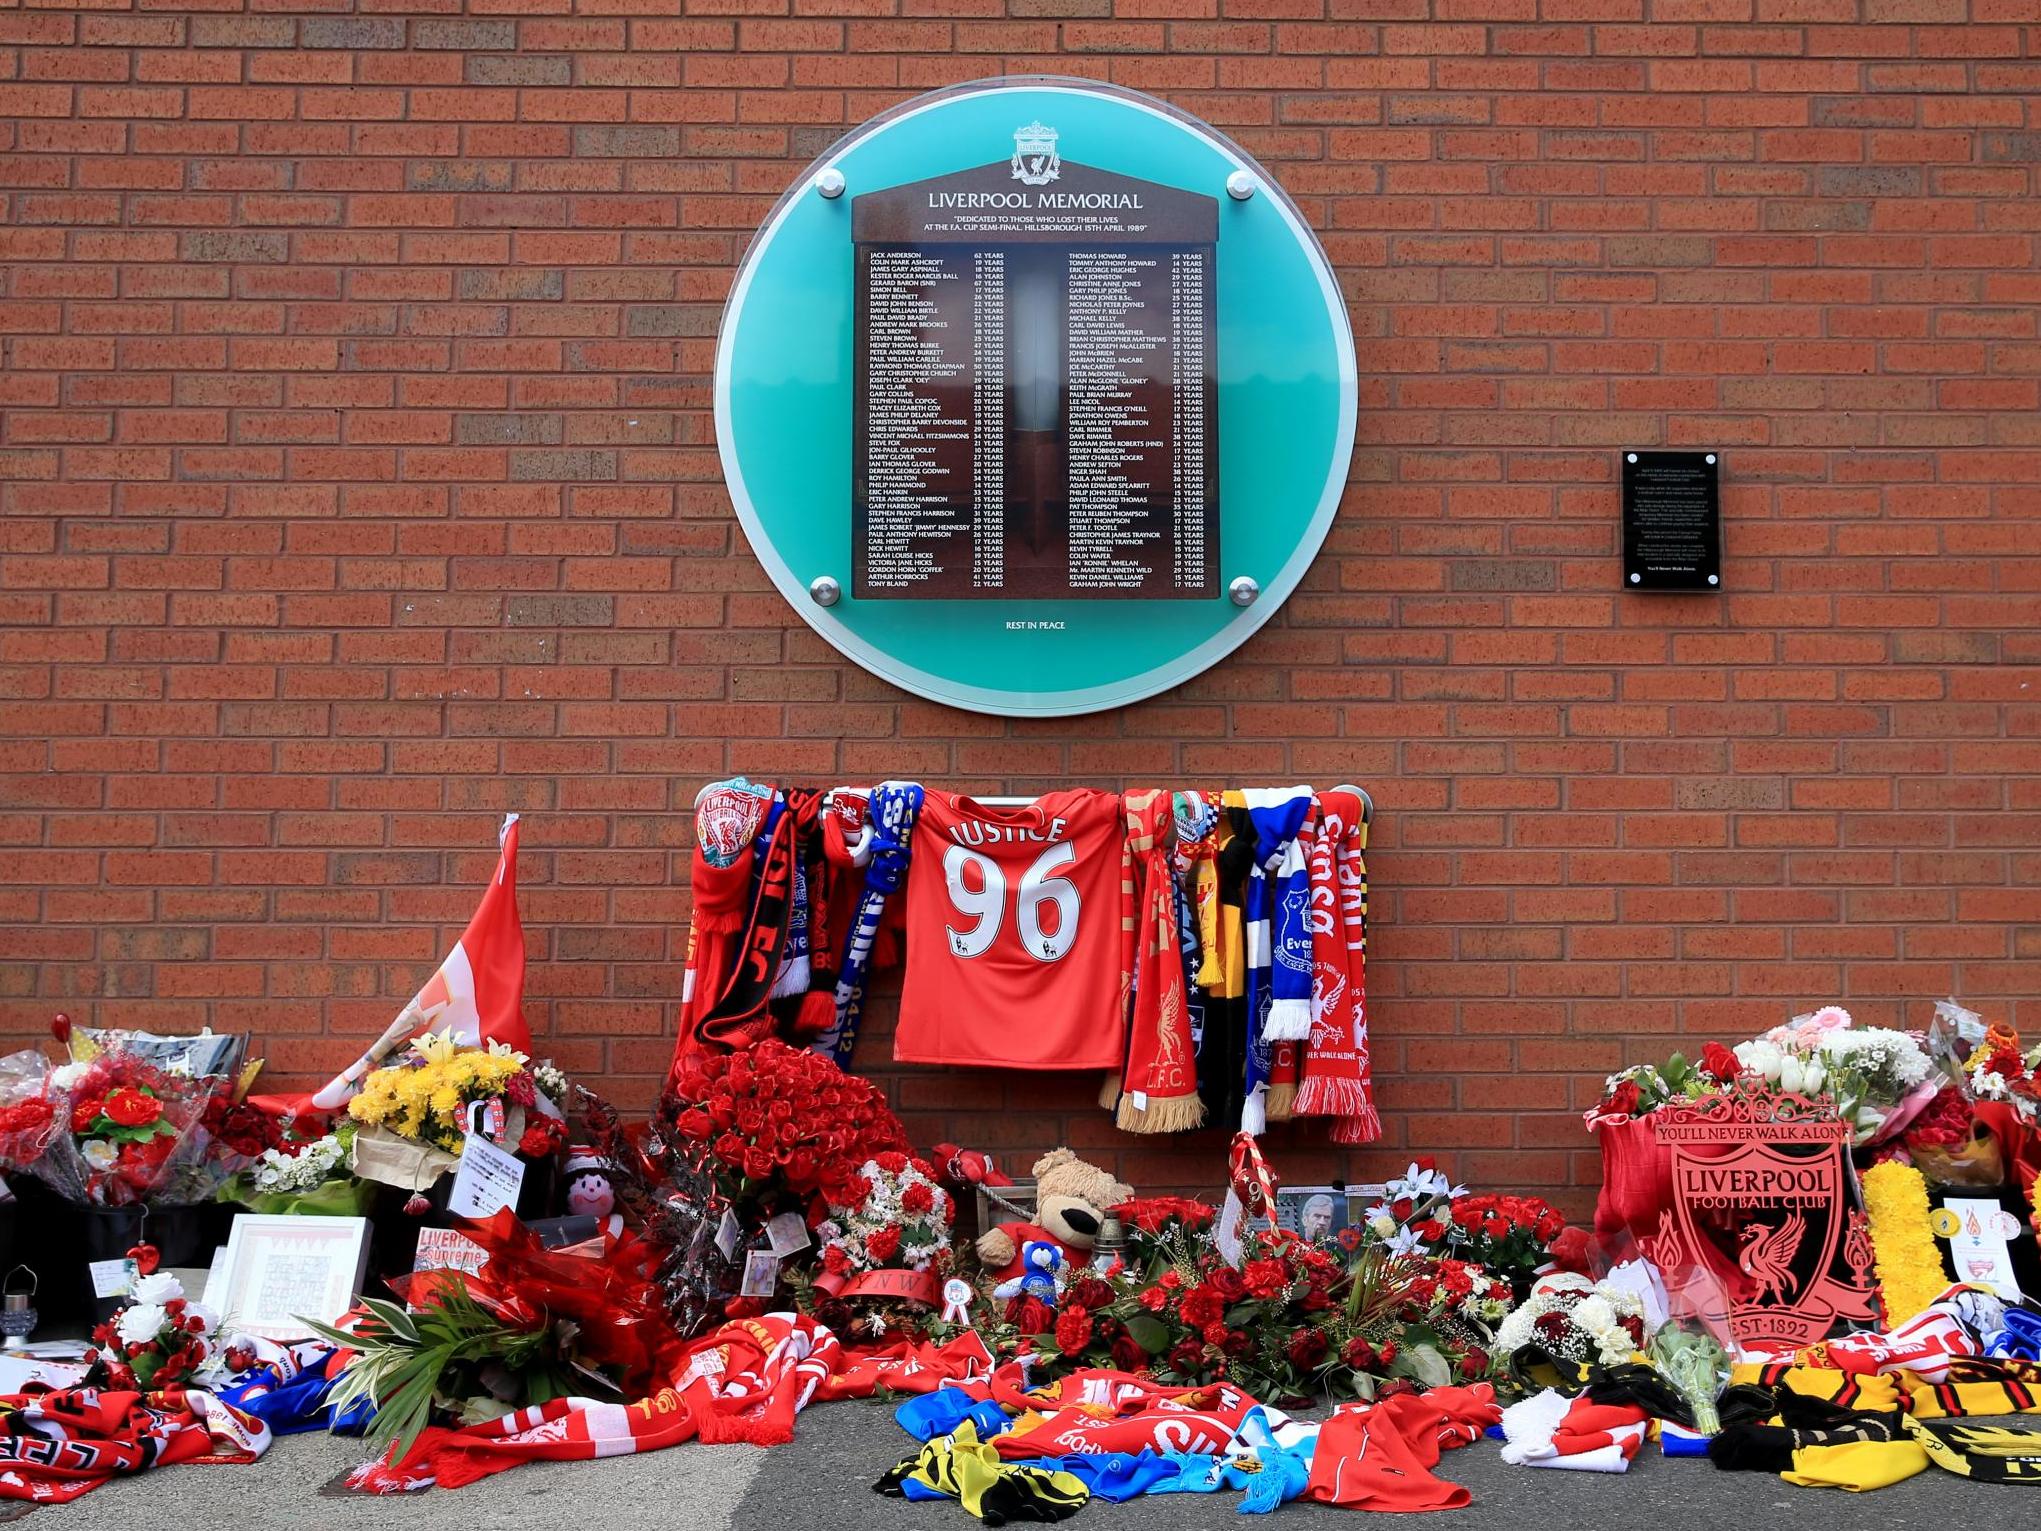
{"points": [[1767, 1256]]}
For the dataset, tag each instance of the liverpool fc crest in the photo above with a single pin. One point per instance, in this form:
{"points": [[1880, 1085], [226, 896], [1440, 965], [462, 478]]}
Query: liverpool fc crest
{"points": [[1035, 162]]}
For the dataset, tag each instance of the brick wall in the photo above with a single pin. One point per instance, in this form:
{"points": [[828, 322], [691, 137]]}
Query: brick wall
{"points": [[359, 485]]}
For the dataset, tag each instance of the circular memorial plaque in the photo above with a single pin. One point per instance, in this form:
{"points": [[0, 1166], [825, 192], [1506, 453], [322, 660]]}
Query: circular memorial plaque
{"points": [[1035, 396]]}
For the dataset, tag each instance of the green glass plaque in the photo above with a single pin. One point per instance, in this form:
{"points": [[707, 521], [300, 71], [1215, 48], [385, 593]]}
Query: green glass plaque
{"points": [[1035, 396]]}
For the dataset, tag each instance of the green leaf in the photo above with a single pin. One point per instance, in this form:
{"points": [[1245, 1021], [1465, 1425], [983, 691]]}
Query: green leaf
{"points": [[1149, 1333], [1422, 1364]]}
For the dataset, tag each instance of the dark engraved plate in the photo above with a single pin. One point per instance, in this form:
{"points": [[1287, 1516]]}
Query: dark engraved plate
{"points": [[1036, 394], [1672, 521]]}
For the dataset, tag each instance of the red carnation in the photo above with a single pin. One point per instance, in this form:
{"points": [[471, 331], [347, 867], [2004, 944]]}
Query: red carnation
{"points": [[883, 1245], [1266, 1279], [1088, 1292], [1307, 1347], [1201, 1306], [1073, 1331], [1154, 1299], [834, 1260], [917, 1199]]}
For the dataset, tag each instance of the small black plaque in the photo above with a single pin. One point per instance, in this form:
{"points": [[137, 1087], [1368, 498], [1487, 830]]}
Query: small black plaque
{"points": [[1672, 521]]}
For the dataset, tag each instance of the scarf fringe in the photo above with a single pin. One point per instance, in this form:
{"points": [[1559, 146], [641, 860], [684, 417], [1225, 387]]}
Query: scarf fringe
{"points": [[1109, 1092], [1176, 1113], [1359, 1127], [1324, 1095], [793, 979], [1289, 1020], [816, 1015], [736, 1429], [1282, 1101], [718, 922]]}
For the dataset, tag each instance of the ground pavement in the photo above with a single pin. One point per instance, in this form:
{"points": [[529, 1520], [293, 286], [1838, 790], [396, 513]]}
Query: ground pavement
{"points": [[822, 1482]]}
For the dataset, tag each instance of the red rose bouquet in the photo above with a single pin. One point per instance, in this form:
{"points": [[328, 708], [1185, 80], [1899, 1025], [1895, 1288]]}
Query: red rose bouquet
{"points": [[776, 1123], [28, 1117], [902, 1220], [128, 1130]]}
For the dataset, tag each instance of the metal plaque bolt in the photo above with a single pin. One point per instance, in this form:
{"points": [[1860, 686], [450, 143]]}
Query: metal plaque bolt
{"points": [[830, 184], [1240, 186], [1636, 579], [1710, 458], [1629, 457], [824, 590], [1243, 590]]}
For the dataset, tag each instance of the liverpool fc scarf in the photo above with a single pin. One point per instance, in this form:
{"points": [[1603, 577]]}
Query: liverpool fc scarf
{"points": [[1159, 1091], [890, 816], [743, 1382], [728, 817], [1336, 1080], [736, 1015], [61, 1444]]}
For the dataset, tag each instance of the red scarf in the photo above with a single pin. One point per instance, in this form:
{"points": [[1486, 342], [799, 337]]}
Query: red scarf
{"points": [[908, 1366], [743, 1382], [1159, 1090], [727, 1006], [1336, 1079], [1097, 1411], [65, 1443], [727, 820]]}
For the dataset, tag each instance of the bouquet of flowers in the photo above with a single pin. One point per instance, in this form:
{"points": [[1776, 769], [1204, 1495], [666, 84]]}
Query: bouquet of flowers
{"points": [[902, 1220], [128, 1130], [1580, 1320], [303, 1177], [1644, 1087], [1422, 1213], [1413, 1210], [425, 1095], [532, 1325], [778, 1123], [1948, 1145], [1878, 1079], [28, 1118], [159, 1339]]}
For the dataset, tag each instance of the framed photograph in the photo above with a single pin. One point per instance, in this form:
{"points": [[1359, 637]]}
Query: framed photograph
{"points": [[280, 1271], [1314, 1212]]}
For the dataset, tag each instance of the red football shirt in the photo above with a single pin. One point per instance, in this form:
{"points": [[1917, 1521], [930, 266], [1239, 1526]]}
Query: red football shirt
{"points": [[1016, 934]]}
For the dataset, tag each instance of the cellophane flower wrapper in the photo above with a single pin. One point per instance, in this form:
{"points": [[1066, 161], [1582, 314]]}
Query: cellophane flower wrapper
{"points": [[29, 1119], [129, 1130], [599, 1287]]}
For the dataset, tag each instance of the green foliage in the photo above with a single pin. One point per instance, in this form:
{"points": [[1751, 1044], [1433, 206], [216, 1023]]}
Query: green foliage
{"points": [[407, 1364]]}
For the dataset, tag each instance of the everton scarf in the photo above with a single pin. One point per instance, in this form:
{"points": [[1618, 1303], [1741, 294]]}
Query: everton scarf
{"points": [[1159, 1091], [1336, 1079], [1278, 947], [893, 808]]}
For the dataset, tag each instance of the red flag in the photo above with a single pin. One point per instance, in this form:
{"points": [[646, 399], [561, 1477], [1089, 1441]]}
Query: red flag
{"points": [[478, 992]]}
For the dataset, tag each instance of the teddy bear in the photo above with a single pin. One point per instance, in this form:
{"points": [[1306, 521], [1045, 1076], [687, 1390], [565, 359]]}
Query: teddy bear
{"points": [[1071, 1201]]}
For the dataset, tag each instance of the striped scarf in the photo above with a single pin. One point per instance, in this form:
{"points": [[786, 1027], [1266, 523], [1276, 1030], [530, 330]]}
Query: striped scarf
{"points": [[894, 806]]}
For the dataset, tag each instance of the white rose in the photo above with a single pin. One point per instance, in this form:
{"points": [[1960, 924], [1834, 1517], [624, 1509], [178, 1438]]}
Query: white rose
{"points": [[140, 1323], [99, 1153], [1792, 1075], [157, 1287]]}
